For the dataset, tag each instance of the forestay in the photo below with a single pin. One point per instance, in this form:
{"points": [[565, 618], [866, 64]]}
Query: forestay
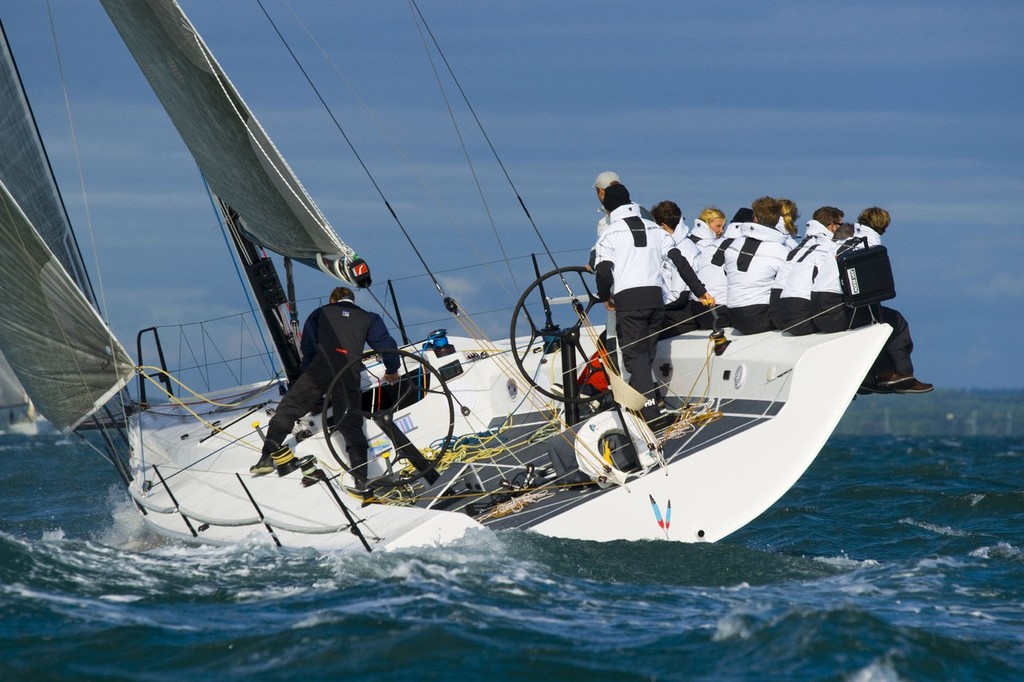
{"points": [[240, 163]]}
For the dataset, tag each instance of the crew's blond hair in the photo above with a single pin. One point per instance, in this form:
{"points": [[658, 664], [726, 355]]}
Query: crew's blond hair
{"points": [[710, 213], [789, 215]]}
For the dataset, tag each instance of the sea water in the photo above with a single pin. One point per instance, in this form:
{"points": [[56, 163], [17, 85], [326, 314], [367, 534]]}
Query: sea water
{"points": [[891, 559]]}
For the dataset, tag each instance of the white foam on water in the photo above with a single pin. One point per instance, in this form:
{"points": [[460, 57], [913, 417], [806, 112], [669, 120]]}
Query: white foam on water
{"points": [[846, 562], [732, 626], [739, 587], [941, 562], [1002, 550], [935, 528], [128, 530], [121, 598], [91, 609], [881, 670]]}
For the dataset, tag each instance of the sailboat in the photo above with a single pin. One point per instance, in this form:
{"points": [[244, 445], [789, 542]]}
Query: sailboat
{"points": [[478, 433], [17, 413]]}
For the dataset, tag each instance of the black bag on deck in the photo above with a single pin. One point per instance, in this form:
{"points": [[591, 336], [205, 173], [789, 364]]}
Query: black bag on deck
{"points": [[866, 276]]}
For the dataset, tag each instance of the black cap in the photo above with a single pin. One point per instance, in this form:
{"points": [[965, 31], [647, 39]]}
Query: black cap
{"points": [[744, 215], [615, 196]]}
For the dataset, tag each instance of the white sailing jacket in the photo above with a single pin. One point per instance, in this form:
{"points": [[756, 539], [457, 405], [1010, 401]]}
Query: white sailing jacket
{"points": [[713, 276], [827, 281], [791, 240], [806, 262], [868, 233], [672, 283], [629, 256], [733, 230], [751, 263]]}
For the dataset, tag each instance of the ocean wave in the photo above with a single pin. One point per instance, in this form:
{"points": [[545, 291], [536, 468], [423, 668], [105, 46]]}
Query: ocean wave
{"points": [[934, 528], [1003, 550]]}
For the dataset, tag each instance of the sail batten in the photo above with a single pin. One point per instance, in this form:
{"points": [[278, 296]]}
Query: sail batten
{"points": [[236, 156]]}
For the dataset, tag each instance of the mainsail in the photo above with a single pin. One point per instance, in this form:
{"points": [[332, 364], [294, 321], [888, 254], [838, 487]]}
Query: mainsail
{"points": [[237, 158]]}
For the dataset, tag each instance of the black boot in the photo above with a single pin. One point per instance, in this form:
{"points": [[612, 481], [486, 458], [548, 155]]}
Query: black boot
{"points": [[264, 466], [357, 460]]}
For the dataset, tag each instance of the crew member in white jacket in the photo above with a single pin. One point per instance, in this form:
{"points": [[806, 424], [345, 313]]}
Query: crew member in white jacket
{"points": [[677, 283], [893, 371], [629, 257], [734, 228], [871, 225], [793, 310], [601, 183], [751, 263], [707, 235]]}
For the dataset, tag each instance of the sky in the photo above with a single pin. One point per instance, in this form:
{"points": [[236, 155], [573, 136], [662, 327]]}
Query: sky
{"points": [[913, 106]]}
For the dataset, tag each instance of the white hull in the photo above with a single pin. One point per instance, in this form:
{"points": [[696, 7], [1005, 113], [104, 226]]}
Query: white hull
{"points": [[780, 396], [723, 487], [497, 443]]}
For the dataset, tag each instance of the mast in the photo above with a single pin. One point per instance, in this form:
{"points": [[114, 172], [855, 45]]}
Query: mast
{"points": [[262, 201], [266, 287], [240, 163]]}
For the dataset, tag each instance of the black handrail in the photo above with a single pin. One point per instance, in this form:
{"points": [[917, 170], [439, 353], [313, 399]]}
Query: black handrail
{"points": [[164, 375]]}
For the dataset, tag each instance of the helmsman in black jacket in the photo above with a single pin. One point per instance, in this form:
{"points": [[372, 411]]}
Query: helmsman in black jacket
{"points": [[333, 335]]}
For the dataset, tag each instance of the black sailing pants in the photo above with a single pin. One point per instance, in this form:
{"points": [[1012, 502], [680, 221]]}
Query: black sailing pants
{"points": [[638, 339], [303, 397]]}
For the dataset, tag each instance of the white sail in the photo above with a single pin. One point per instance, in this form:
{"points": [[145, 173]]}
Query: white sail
{"points": [[240, 163], [25, 171], [63, 353], [11, 393]]}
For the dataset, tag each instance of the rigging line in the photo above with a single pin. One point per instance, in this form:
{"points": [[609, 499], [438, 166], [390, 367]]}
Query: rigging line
{"points": [[483, 132], [174, 400], [457, 268], [384, 309], [214, 428], [102, 303], [465, 149], [185, 344], [390, 139], [351, 146], [540, 403], [262, 142]]}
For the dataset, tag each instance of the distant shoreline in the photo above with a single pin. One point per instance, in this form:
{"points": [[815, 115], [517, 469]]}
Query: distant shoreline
{"points": [[973, 412]]}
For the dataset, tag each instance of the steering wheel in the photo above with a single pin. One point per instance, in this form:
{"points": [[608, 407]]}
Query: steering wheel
{"points": [[414, 385], [551, 337]]}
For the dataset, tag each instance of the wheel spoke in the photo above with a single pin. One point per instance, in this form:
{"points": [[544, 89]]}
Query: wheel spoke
{"points": [[565, 334]]}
